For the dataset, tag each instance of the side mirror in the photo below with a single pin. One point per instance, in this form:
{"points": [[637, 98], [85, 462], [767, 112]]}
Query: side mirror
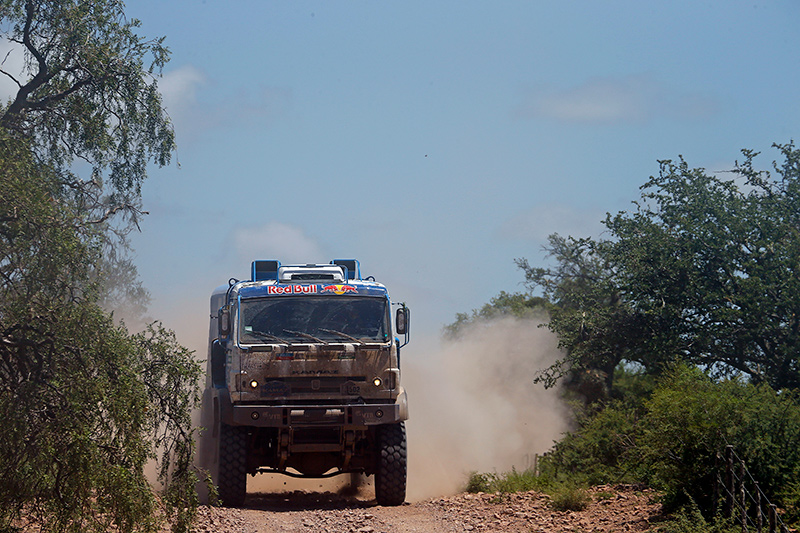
{"points": [[401, 321], [224, 322]]}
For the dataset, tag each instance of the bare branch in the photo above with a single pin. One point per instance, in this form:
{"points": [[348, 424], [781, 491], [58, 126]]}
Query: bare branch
{"points": [[45, 103], [114, 209]]}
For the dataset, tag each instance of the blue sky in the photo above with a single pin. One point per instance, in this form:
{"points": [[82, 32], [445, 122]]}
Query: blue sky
{"points": [[438, 141]]}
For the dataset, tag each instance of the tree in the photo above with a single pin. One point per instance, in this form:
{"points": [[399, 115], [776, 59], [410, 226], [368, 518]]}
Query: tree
{"points": [[704, 270], [88, 94], [593, 323], [85, 94], [584, 302], [85, 404]]}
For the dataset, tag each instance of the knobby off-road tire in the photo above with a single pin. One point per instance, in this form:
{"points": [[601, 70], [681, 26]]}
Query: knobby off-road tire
{"points": [[390, 475], [232, 479]]}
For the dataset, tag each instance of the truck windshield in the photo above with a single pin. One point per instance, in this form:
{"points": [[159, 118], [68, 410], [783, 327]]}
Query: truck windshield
{"points": [[314, 319]]}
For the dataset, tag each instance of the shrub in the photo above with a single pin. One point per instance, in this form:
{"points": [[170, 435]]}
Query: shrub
{"points": [[595, 452], [513, 481], [689, 519], [478, 482], [691, 418], [674, 436], [570, 497]]}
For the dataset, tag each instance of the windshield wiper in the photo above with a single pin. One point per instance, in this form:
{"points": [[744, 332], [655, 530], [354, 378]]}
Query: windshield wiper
{"points": [[342, 334], [269, 336], [305, 335]]}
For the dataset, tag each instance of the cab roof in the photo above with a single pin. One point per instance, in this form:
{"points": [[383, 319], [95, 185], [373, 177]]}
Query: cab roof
{"points": [[339, 277]]}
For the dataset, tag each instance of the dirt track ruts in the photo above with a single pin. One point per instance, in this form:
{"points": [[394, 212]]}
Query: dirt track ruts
{"points": [[613, 508]]}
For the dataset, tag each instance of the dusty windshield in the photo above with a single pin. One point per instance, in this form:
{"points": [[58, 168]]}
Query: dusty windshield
{"points": [[289, 319]]}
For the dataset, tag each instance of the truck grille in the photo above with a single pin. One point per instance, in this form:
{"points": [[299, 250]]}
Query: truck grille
{"points": [[333, 385]]}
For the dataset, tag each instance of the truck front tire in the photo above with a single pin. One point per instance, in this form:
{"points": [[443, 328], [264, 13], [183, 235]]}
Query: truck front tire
{"points": [[232, 477], [390, 473]]}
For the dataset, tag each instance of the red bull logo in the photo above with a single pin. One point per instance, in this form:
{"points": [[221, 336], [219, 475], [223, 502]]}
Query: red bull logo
{"points": [[339, 289]]}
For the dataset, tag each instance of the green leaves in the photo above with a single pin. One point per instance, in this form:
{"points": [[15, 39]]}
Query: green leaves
{"points": [[704, 269], [85, 94], [85, 404], [689, 421], [673, 439]]}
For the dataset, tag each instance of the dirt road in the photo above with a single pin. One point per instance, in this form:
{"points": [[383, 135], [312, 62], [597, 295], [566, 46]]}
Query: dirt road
{"points": [[613, 508]]}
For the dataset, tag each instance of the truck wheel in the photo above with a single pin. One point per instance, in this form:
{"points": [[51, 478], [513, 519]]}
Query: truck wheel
{"points": [[390, 474], [232, 476]]}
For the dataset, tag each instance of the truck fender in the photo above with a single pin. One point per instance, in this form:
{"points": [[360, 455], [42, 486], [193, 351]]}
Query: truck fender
{"points": [[402, 401], [225, 407]]}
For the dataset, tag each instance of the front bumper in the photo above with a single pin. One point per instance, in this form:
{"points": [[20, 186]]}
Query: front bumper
{"points": [[315, 415]]}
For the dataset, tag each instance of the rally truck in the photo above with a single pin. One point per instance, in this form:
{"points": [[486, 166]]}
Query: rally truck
{"points": [[304, 379]]}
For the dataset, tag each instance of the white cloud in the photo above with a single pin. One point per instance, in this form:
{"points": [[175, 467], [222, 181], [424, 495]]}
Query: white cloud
{"points": [[182, 92], [179, 89], [636, 98], [276, 240], [541, 221]]}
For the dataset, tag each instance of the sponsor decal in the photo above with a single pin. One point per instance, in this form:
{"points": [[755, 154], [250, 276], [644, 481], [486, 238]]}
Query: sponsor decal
{"points": [[275, 388], [292, 289], [339, 289], [310, 289]]}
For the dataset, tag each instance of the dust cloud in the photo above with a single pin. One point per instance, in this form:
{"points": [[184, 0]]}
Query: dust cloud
{"points": [[473, 405], [472, 402]]}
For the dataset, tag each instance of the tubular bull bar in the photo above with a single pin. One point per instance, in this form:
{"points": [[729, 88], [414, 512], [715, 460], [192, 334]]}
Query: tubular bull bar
{"points": [[315, 415]]}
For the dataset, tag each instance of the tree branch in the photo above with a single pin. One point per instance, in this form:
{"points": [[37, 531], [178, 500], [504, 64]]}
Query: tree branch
{"points": [[42, 76]]}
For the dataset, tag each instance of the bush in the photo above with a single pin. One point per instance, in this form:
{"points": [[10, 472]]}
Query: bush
{"points": [[567, 495], [689, 519], [570, 497], [689, 421], [478, 482], [672, 437], [595, 453], [508, 482], [515, 481]]}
